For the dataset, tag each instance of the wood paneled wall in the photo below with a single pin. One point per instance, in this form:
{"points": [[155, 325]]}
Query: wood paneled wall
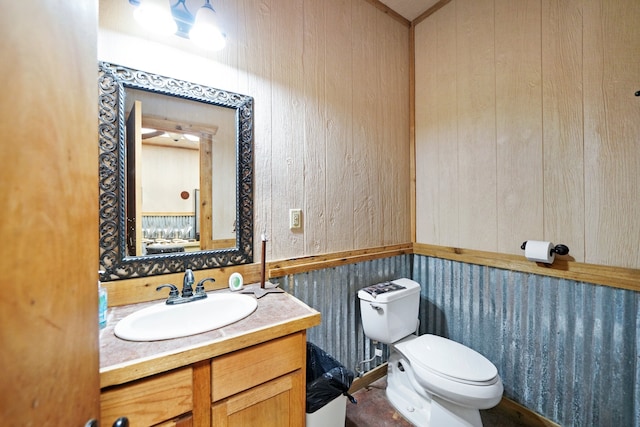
{"points": [[527, 127], [331, 89]]}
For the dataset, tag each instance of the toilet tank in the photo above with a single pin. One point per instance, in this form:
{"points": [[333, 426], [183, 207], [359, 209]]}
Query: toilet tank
{"points": [[389, 310]]}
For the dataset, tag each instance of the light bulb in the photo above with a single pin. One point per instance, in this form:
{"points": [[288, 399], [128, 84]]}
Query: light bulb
{"points": [[205, 32], [155, 16], [175, 136]]}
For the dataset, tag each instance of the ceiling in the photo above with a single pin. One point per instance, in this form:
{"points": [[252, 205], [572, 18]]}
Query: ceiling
{"points": [[409, 9]]}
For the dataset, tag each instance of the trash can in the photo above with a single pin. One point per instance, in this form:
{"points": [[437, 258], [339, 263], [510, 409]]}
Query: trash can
{"points": [[328, 383]]}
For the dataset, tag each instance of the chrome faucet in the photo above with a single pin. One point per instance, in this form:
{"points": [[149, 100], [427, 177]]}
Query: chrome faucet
{"points": [[187, 284], [187, 289]]}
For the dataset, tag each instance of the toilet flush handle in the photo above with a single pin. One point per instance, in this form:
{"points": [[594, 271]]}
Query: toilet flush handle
{"points": [[377, 308]]}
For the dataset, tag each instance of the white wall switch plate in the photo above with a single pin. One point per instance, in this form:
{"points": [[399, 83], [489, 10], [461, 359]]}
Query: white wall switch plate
{"points": [[295, 218]]}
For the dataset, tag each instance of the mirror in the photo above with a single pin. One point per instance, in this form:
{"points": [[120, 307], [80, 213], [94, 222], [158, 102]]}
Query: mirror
{"points": [[176, 175]]}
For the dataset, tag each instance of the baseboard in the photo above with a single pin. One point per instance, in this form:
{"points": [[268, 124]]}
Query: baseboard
{"points": [[369, 377], [524, 415]]}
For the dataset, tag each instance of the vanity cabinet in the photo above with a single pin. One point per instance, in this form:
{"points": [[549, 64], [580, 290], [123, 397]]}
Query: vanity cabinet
{"points": [[263, 384], [249, 373]]}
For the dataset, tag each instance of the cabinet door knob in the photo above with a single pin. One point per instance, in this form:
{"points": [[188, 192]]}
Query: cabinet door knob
{"points": [[121, 422]]}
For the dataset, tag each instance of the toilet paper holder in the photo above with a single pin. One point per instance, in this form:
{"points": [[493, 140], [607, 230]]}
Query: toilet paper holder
{"points": [[557, 249]]}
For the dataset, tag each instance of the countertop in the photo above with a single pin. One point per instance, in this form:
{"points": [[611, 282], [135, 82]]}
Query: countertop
{"points": [[121, 361]]}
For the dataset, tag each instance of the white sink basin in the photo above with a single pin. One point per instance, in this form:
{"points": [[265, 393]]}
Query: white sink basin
{"points": [[162, 321]]}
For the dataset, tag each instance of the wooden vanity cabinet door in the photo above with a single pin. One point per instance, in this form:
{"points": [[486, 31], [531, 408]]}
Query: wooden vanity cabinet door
{"points": [[240, 370], [149, 401], [277, 403], [262, 385], [183, 421]]}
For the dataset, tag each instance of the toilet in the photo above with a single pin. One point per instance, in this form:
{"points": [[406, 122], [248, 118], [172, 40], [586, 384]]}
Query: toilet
{"points": [[432, 381]]}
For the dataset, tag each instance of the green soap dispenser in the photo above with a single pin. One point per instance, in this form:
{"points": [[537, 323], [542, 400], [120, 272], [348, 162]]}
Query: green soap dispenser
{"points": [[102, 304]]}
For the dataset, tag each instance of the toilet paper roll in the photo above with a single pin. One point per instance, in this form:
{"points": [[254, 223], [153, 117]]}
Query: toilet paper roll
{"points": [[538, 251]]}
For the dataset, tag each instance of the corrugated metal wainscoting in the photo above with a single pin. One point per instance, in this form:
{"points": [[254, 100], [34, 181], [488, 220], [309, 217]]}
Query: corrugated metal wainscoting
{"points": [[564, 349], [332, 292], [567, 350]]}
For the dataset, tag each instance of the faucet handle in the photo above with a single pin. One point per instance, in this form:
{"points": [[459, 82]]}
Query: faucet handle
{"points": [[200, 286], [174, 294]]}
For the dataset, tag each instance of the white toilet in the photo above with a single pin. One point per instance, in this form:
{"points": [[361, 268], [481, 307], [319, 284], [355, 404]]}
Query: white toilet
{"points": [[431, 381]]}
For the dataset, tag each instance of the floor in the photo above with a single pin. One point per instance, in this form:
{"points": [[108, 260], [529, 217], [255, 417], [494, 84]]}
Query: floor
{"points": [[373, 410]]}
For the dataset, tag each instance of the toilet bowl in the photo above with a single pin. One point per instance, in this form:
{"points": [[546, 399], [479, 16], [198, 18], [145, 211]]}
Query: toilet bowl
{"points": [[431, 380]]}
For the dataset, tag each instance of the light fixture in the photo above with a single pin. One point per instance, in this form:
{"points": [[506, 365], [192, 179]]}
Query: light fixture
{"points": [[174, 136], [205, 31], [155, 16], [166, 16]]}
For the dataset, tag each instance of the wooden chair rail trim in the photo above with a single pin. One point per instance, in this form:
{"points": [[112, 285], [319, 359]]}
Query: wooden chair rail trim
{"points": [[616, 277], [141, 289], [319, 262]]}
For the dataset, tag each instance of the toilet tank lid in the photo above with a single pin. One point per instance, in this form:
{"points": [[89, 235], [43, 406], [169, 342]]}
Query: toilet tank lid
{"points": [[389, 291]]}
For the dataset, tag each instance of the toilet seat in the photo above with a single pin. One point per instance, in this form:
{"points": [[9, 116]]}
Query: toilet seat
{"points": [[449, 359], [459, 374]]}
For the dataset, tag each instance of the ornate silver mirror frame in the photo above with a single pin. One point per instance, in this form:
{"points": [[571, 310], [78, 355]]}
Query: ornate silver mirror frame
{"points": [[114, 262]]}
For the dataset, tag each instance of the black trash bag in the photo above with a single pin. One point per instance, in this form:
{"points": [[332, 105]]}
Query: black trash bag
{"points": [[326, 379]]}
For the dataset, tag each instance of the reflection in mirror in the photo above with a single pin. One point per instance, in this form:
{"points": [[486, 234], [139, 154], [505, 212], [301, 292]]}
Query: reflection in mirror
{"points": [[176, 175], [182, 146]]}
